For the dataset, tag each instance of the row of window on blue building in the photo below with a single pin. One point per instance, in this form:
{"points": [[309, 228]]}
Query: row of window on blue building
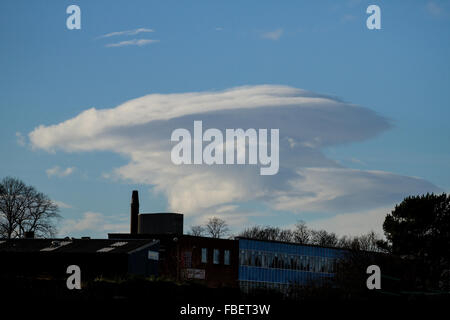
{"points": [[275, 264]]}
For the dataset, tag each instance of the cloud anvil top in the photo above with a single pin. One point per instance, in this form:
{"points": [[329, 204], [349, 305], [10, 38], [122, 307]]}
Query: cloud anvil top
{"points": [[307, 180], [89, 130]]}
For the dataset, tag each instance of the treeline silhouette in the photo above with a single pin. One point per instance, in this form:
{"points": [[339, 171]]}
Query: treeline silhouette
{"points": [[302, 234]]}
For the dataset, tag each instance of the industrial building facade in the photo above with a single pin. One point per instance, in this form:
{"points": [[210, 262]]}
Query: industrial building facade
{"points": [[246, 263], [211, 261], [277, 265], [156, 246]]}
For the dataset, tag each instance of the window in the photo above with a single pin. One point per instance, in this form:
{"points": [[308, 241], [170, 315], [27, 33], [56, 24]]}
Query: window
{"points": [[187, 259], [247, 258], [226, 257], [216, 256], [258, 259], [204, 255]]}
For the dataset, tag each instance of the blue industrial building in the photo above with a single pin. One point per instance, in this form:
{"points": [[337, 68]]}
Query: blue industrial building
{"points": [[277, 265]]}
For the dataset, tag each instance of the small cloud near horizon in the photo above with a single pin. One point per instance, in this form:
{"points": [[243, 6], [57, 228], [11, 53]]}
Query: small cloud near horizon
{"points": [[93, 224]]}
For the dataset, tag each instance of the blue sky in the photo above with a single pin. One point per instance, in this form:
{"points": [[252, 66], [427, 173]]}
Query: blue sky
{"points": [[50, 74]]}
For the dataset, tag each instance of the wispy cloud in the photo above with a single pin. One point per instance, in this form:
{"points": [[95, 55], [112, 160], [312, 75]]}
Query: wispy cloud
{"points": [[126, 33], [59, 172], [273, 35], [219, 28], [134, 42]]}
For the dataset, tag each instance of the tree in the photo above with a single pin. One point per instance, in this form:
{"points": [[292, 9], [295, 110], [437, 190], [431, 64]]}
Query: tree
{"points": [[252, 233], [366, 242], [285, 235], [197, 231], [324, 238], [217, 228], [370, 242], [301, 233], [267, 233], [24, 209], [418, 229]]}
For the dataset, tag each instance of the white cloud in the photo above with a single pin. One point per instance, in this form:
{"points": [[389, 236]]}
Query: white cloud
{"points": [[95, 224], [59, 172], [134, 42], [235, 219], [127, 32], [61, 204], [307, 182], [342, 189], [353, 223], [273, 35]]}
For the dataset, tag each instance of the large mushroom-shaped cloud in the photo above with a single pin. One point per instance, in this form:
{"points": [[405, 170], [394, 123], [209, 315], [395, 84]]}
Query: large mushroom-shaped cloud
{"points": [[307, 181]]}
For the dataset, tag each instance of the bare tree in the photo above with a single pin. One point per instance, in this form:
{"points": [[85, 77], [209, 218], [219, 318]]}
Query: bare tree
{"points": [[285, 235], [24, 209], [267, 233], [301, 233], [370, 242], [346, 242], [324, 238], [270, 233], [197, 231], [254, 232], [217, 228]]}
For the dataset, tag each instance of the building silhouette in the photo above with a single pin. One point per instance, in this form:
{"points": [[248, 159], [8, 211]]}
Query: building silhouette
{"points": [[156, 246]]}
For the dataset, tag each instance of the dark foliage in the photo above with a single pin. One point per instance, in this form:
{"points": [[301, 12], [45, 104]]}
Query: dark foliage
{"points": [[418, 229]]}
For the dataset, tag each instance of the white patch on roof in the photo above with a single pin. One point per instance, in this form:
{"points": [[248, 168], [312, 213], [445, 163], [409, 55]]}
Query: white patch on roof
{"points": [[56, 244], [119, 244], [113, 246], [106, 249]]}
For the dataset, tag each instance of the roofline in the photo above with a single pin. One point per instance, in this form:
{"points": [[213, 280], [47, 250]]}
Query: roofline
{"points": [[147, 243], [293, 243], [155, 241], [141, 236], [160, 213]]}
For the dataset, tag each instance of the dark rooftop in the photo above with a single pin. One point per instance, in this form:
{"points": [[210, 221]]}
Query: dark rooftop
{"points": [[74, 245]]}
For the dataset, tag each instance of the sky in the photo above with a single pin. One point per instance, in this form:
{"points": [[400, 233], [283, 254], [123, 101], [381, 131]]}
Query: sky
{"points": [[86, 115]]}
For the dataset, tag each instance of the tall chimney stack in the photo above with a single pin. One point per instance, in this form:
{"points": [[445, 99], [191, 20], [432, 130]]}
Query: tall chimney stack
{"points": [[134, 212]]}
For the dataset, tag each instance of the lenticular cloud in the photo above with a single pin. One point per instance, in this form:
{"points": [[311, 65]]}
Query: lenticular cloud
{"points": [[308, 181]]}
